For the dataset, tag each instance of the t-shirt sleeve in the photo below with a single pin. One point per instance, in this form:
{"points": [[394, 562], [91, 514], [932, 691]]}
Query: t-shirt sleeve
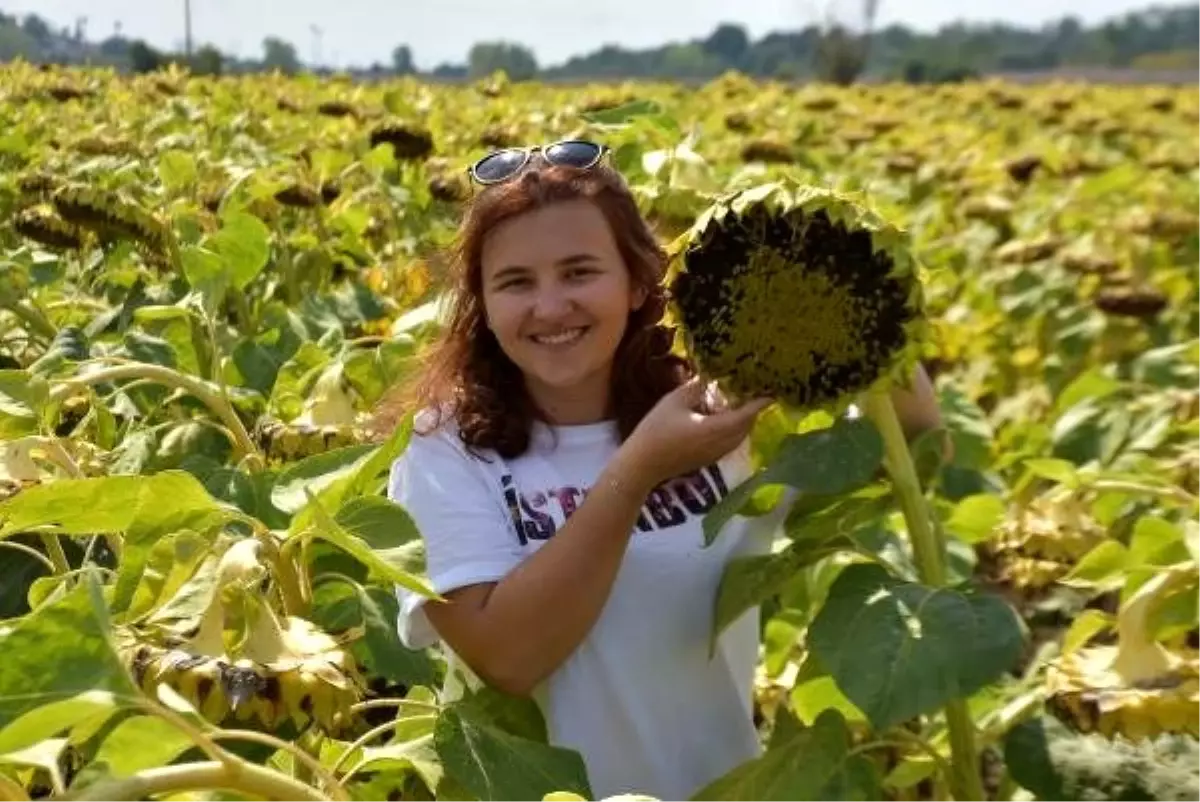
{"points": [[467, 534]]}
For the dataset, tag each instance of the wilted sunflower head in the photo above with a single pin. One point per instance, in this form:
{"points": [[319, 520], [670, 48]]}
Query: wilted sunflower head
{"points": [[796, 293]]}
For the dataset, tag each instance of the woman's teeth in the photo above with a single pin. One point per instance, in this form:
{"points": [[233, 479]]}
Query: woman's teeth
{"points": [[559, 338]]}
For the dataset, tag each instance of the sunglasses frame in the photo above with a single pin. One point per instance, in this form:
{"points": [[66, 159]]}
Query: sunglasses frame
{"points": [[527, 153]]}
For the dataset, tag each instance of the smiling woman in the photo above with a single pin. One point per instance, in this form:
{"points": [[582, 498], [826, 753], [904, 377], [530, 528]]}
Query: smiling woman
{"points": [[557, 296], [562, 464]]}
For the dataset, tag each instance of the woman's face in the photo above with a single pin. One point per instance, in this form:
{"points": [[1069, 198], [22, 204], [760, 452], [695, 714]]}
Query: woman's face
{"points": [[557, 295]]}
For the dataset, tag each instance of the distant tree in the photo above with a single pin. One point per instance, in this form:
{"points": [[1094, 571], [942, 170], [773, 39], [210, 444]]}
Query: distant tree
{"points": [[447, 71], [208, 60], [842, 53], [16, 43], [143, 57], [37, 28], [841, 56], [280, 55], [115, 47], [402, 62], [689, 61], [515, 60], [729, 43]]}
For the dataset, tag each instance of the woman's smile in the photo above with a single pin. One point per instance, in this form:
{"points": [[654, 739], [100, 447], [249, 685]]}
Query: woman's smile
{"points": [[561, 337]]}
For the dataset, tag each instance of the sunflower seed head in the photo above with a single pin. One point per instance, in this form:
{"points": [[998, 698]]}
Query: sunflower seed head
{"points": [[798, 293]]}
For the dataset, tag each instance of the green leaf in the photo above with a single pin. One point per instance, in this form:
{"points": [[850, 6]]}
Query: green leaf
{"points": [[623, 114], [169, 563], [206, 273], [1086, 626], [899, 649], [141, 742], [1058, 470], [1103, 567], [314, 474], [813, 697], [493, 764], [339, 604], [113, 504], [58, 652], [20, 395], [244, 245], [176, 169], [828, 461], [517, 715], [1156, 543], [366, 478], [1093, 384], [414, 751], [815, 763], [749, 581], [970, 431], [975, 518], [52, 718], [330, 530], [1027, 756]]}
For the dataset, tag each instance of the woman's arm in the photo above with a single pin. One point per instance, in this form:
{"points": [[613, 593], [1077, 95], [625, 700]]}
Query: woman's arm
{"points": [[918, 410], [515, 632]]}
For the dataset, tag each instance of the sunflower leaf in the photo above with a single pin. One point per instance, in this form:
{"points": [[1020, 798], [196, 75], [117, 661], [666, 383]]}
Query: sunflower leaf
{"points": [[494, 764], [899, 649], [827, 771], [838, 459]]}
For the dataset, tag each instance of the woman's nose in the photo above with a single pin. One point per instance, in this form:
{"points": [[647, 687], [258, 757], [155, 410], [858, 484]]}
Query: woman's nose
{"points": [[551, 302]]}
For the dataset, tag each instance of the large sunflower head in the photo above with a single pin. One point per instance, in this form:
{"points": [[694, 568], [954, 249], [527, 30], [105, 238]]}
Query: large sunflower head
{"points": [[797, 293]]}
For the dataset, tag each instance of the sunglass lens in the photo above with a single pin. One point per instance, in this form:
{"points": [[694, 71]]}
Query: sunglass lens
{"points": [[573, 154], [499, 166]]}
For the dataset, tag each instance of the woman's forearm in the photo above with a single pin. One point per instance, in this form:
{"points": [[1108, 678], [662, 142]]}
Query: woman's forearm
{"points": [[918, 410], [535, 617]]}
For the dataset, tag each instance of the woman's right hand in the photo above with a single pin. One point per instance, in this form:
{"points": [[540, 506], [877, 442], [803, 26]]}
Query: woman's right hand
{"points": [[685, 432]]}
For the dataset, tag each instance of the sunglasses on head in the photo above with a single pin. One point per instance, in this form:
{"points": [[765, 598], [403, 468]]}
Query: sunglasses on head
{"points": [[502, 165]]}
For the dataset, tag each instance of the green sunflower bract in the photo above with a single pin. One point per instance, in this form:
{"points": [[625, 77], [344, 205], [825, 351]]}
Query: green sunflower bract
{"points": [[798, 293]]}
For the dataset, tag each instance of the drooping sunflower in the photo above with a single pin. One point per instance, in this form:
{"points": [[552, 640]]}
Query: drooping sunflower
{"points": [[1138, 688], [42, 225], [245, 660], [799, 293]]}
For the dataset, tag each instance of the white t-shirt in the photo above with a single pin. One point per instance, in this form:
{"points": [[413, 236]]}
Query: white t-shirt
{"points": [[640, 698]]}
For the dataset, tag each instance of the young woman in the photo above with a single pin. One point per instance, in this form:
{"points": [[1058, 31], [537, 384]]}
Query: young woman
{"points": [[561, 467]]}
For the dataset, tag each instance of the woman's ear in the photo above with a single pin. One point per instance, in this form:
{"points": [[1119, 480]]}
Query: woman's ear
{"points": [[639, 298]]}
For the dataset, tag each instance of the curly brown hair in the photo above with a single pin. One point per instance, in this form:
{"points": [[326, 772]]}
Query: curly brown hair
{"points": [[466, 372]]}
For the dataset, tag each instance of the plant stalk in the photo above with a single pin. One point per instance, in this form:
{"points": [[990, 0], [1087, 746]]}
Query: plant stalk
{"points": [[928, 552], [33, 317], [172, 378], [55, 551], [245, 778]]}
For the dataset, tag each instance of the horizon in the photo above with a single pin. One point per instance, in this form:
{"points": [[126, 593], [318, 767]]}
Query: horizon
{"points": [[351, 34]]}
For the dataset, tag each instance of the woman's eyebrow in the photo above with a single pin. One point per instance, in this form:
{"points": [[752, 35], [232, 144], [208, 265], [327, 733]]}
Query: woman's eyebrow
{"points": [[509, 271], [577, 258]]}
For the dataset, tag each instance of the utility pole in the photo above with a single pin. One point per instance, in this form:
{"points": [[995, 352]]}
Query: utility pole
{"points": [[316, 52], [187, 27]]}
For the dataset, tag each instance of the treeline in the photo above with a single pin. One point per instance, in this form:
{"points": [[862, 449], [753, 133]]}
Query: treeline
{"points": [[1159, 37]]}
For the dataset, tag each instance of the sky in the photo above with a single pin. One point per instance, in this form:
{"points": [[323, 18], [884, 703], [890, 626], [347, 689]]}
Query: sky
{"points": [[359, 32]]}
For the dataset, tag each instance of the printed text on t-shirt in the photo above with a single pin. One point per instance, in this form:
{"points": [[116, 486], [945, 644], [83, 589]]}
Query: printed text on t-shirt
{"points": [[538, 515]]}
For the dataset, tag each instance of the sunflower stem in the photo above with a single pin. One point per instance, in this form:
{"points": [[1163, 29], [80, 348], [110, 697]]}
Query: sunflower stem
{"points": [[245, 777], [219, 404], [931, 567], [33, 317], [55, 551]]}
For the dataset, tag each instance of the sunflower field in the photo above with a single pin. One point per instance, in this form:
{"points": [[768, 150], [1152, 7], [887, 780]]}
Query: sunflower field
{"points": [[208, 284]]}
